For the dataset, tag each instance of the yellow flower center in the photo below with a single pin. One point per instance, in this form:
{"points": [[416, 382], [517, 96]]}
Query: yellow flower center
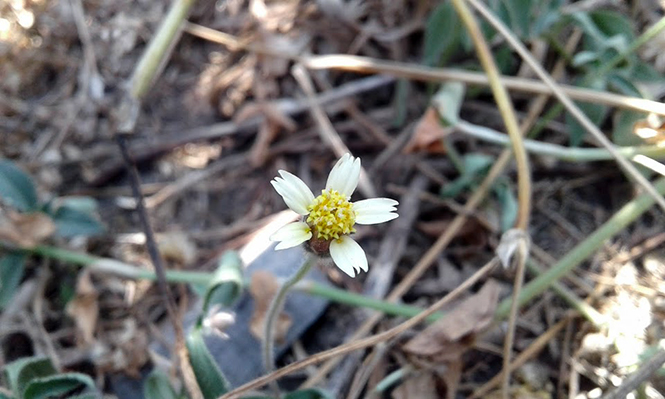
{"points": [[331, 215]]}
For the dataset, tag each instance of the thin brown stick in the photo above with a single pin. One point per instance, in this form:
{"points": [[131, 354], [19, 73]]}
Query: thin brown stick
{"points": [[634, 380], [523, 172], [189, 378], [326, 129], [530, 352], [505, 106], [423, 73], [363, 343]]}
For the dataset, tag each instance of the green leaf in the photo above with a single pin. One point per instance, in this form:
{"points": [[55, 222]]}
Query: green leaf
{"points": [[226, 284], [71, 222], [546, 18], [16, 187], [158, 386], [595, 37], [86, 205], [623, 131], [643, 72], [508, 203], [619, 83], [20, 372], [56, 385], [595, 112], [311, 393], [519, 13], [584, 57], [448, 101], [475, 166], [612, 23], [401, 101], [505, 59], [210, 378], [441, 34], [11, 273]]}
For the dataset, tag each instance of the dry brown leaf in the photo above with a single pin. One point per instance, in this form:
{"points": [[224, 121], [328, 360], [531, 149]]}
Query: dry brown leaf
{"points": [[177, 247], [274, 122], [421, 386], [84, 308], [27, 229], [451, 377], [449, 337], [473, 233], [427, 134], [263, 288], [259, 152]]}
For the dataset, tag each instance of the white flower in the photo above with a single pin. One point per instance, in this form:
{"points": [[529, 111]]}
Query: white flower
{"points": [[328, 219]]}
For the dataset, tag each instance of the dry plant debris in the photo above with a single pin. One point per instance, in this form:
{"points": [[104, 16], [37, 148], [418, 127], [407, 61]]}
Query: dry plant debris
{"points": [[64, 65]]}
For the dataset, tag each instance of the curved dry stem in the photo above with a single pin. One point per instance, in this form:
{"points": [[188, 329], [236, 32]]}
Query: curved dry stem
{"points": [[521, 160], [507, 113], [567, 102]]}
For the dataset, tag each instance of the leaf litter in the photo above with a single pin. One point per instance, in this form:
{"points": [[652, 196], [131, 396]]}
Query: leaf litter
{"points": [[42, 57]]}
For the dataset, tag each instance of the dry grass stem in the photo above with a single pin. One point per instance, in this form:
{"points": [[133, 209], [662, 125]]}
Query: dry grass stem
{"points": [[567, 102]]}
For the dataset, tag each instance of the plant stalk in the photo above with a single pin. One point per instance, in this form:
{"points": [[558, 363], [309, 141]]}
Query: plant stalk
{"points": [[276, 308]]}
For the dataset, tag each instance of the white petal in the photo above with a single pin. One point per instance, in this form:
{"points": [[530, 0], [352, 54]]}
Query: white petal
{"points": [[291, 235], [376, 218], [348, 255], [304, 192], [375, 210], [344, 175], [374, 203], [294, 191], [334, 175], [352, 178]]}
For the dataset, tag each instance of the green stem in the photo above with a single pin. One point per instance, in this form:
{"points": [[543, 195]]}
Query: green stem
{"points": [[112, 266], [118, 268], [560, 152], [348, 298], [637, 43], [393, 378], [542, 122], [159, 48], [273, 312], [626, 215], [567, 295]]}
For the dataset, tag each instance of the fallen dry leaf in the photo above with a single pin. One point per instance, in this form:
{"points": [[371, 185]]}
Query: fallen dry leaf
{"points": [[259, 152], [449, 337], [472, 233], [84, 308], [440, 346], [274, 122], [177, 247], [421, 386], [263, 288], [427, 135], [26, 229]]}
